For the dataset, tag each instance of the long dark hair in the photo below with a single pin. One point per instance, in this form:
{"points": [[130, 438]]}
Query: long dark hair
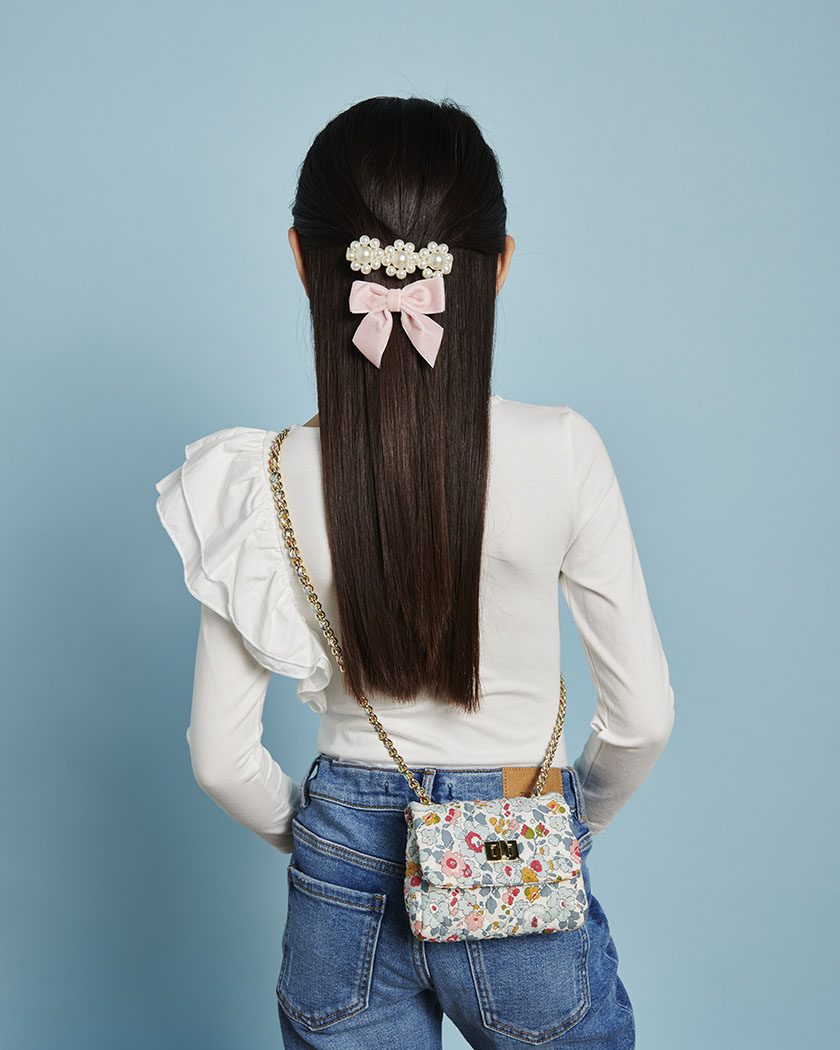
{"points": [[405, 447]]}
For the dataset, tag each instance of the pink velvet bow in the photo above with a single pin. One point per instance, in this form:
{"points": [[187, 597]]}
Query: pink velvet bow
{"points": [[413, 303]]}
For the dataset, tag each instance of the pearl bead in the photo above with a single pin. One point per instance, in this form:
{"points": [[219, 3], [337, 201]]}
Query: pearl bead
{"points": [[400, 258]]}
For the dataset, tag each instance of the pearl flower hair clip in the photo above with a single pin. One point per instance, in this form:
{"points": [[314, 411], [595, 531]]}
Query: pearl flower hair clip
{"points": [[399, 258]]}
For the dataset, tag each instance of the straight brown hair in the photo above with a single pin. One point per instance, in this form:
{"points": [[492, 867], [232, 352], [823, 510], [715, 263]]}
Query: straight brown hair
{"points": [[405, 447]]}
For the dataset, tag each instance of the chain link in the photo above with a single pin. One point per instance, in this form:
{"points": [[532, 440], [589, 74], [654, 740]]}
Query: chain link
{"points": [[287, 532]]}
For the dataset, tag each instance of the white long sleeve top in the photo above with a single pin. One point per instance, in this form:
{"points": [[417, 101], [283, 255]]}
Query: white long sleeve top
{"points": [[555, 514]]}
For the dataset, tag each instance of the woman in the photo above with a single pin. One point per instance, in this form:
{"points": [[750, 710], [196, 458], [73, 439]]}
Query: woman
{"points": [[435, 519]]}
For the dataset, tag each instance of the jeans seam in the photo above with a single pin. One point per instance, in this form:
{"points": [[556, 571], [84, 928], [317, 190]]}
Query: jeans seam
{"points": [[421, 967], [355, 804], [415, 769]]}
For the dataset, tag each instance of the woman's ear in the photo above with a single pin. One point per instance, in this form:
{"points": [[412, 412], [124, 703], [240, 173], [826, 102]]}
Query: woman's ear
{"points": [[294, 241], [504, 262]]}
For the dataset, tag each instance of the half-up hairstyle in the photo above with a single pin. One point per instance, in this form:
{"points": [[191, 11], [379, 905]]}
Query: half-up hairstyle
{"points": [[405, 447]]}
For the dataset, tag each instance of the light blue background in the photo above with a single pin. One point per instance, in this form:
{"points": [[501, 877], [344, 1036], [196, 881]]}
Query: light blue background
{"points": [[671, 171]]}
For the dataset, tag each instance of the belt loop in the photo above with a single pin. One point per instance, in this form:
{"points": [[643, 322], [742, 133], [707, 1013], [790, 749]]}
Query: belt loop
{"points": [[577, 789], [304, 787], [428, 781]]}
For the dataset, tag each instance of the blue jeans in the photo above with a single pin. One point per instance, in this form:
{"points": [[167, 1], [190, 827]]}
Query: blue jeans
{"points": [[354, 977]]}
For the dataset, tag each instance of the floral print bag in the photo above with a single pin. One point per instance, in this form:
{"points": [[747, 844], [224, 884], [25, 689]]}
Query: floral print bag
{"points": [[475, 869], [479, 869]]}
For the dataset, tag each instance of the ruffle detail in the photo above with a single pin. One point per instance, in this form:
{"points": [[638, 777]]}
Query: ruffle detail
{"points": [[219, 512]]}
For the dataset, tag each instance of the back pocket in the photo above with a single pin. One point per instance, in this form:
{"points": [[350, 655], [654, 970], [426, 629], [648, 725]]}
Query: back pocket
{"points": [[329, 947], [532, 988]]}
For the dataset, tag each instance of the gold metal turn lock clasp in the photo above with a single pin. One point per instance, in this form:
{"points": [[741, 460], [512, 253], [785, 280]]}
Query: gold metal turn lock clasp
{"points": [[501, 850]]}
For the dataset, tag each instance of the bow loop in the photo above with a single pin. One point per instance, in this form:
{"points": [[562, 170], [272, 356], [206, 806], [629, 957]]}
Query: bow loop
{"points": [[413, 303]]}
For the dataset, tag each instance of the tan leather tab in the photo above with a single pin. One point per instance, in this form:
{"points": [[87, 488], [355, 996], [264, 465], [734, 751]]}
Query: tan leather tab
{"points": [[519, 780]]}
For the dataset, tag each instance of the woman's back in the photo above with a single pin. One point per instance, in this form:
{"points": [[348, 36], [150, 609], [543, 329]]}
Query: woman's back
{"points": [[548, 473], [555, 512]]}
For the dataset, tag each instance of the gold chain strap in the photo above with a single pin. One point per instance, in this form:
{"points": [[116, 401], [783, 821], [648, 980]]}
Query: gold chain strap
{"points": [[285, 522]]}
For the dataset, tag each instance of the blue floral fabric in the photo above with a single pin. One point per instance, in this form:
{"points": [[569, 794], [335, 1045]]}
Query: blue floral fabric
{"points": [[454, 890]]}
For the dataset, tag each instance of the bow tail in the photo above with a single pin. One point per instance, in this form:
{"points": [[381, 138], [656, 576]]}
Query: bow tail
{"points": [[424, 333], [371, 336]]}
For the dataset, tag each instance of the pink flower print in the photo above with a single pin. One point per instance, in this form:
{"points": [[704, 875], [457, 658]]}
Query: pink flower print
{"points": [[473, 841], [453, 863], [510, 898], [418, 928], [467, 871], [508, 869], [513, 825], [534, 921], [576, 849], [536, 865], [450, 861], [475, 920], [414, 880]]}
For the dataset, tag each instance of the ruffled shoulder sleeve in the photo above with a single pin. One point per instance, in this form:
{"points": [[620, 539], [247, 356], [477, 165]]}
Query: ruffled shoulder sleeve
{"points": [[219, 512]]}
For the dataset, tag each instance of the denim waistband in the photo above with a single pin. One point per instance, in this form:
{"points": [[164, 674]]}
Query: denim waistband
{"points": [[380, 788]]}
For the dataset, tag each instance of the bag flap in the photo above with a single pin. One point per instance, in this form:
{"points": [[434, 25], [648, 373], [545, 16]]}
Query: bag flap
{"points": [[457, 842]]}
